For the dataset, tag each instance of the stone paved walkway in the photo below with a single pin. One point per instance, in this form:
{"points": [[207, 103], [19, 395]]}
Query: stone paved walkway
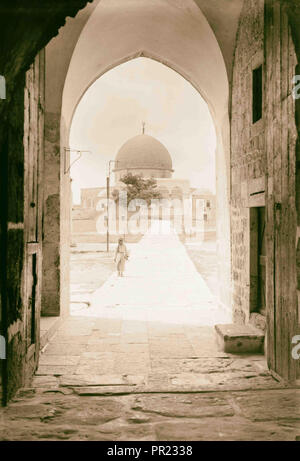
{"points": [[161, 284], [149, 354], [49, 414], [142, 364]]}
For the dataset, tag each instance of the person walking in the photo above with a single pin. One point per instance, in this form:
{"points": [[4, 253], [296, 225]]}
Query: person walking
{"points": [[121, 256]]}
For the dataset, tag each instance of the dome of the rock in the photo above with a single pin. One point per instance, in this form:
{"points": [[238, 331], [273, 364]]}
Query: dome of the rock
{"points": [[143, 155]]}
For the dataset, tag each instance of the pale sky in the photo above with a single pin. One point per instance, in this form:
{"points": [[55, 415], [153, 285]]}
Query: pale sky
{"points": [[112, 111]]}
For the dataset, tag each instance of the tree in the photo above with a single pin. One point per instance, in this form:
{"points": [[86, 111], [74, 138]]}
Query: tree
{"points": [[138, 188]]}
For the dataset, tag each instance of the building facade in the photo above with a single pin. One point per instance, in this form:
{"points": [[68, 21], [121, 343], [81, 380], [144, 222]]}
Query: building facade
{"points": [[148, 158]]}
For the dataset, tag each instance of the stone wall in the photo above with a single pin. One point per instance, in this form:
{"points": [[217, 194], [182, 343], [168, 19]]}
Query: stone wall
{"points": [[51, 237], [21, 44], [57, 216], [247, 151], [65, 221]]}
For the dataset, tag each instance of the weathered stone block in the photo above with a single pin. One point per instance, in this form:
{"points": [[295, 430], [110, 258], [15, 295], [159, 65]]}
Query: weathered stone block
{"points": [[235, 338], [258, 321]]}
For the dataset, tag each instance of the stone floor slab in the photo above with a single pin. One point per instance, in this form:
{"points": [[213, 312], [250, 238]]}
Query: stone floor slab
{"points": [[262, 406], [50, 359], [183, 406]]}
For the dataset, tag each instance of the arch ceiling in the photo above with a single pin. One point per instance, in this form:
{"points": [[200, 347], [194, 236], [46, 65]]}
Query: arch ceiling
{"points": [[223, 18], [174, 32]]}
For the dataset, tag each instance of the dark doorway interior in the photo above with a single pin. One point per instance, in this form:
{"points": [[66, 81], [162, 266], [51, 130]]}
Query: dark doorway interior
{"points": [[261, 264]]}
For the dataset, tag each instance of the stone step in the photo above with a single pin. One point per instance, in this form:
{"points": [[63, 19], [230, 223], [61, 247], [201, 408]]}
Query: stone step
{"points": [[235, 339]]}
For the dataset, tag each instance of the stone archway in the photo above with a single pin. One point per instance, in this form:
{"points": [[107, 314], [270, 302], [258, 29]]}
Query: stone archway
{"points": [[22, 43], [175, 25]]}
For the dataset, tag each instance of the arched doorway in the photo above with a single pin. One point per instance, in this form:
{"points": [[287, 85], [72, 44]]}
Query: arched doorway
{"points": [[178, 116], [182, 39]]}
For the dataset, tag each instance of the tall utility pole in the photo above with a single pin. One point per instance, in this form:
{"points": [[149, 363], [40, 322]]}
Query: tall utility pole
{"points": [[107, 201], [107, 222]]}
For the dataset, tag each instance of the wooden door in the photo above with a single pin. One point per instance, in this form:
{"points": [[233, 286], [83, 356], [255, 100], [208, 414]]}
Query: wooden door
{"points": [[33, 205]]}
